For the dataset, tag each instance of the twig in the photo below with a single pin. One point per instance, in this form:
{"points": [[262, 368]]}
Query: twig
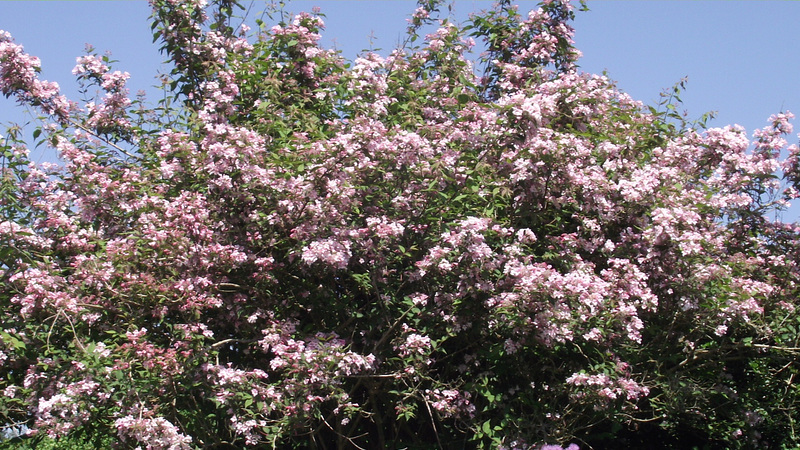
{"points": [[228, 341], [106, 141], [391, 329], [776, 347], [433, 422], [339, 434]]}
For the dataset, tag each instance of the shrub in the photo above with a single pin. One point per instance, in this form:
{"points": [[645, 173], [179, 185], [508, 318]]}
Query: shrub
{"points": [[296, 251]]}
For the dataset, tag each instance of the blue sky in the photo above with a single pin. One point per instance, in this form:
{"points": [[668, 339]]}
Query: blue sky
{"points": [[742, 59]]}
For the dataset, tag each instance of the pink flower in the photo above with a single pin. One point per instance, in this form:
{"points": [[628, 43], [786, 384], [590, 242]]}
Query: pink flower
{"points": [[329, 251]]}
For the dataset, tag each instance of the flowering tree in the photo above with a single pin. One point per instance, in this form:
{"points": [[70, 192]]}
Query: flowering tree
{"points": [[409, 251]]}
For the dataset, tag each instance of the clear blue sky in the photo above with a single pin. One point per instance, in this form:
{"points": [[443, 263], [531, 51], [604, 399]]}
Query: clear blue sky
{"points": [[742, 58]]}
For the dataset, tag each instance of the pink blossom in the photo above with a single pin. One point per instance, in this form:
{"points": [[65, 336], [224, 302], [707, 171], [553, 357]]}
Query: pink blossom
{"points": [[329, 251], [155, 433]]}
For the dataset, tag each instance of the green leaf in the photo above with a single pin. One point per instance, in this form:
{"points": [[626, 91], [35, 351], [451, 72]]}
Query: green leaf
{"points": [[13, 341]]}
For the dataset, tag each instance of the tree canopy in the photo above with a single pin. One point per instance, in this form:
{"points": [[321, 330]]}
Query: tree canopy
{"points": [[428, 249]]}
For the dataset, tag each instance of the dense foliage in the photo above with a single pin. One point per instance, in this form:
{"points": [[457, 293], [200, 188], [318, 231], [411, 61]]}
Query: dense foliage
{"points": [[428, 249]]}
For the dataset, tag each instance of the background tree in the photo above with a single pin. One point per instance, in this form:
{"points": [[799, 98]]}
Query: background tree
{"points": [[296, 251]]}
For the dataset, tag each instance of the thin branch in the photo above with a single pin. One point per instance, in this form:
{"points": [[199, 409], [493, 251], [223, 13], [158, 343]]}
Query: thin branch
{"points": [[228, 341], [777, 347], [391, 329], [339, 434], [106, 141], [433, 423]]}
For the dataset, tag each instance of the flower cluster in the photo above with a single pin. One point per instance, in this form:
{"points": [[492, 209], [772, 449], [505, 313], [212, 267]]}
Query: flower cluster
{"points": [[18, 77], [155, 433]]}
